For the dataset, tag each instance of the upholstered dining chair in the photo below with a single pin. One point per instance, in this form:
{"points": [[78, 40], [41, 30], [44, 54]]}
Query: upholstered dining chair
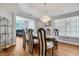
{"points": [[44, 45], [32, 41], [56, 34]]}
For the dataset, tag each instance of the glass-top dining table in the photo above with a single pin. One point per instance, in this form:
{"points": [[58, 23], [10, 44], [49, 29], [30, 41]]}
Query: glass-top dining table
{"points": [[48, 37]]}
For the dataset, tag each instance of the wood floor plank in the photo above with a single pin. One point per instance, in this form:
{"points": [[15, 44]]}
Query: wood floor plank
{"points": [[17, 50]]}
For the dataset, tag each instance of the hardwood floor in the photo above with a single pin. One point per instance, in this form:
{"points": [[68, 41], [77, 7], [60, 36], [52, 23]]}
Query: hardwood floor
{"points": [[17, 50]]}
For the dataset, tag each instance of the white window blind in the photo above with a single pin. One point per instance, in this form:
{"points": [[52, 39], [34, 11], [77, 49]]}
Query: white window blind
{"points": [[68, 26]]}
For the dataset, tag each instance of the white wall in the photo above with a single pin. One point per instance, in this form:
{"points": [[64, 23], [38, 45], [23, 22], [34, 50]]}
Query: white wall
{"points": [[40, 24]]}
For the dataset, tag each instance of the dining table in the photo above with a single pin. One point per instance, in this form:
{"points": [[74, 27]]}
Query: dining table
{"points": [[48, 37]]}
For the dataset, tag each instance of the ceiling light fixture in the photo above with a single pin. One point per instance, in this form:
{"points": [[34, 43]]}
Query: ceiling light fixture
{"points": [[45, 18]]}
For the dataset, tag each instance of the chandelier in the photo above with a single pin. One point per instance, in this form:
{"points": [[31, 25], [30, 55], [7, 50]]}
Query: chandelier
{"points": [[45, 18]]}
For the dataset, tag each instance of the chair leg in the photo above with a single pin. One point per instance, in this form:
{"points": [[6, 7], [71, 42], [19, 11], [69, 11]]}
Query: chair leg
{"points": [[45, 53], [52, 51], [24, 45], [31, 51], [56, 44]]}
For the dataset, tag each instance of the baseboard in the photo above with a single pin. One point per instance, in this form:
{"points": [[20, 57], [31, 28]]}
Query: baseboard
{"points": [[7, 46], [72, 43]]}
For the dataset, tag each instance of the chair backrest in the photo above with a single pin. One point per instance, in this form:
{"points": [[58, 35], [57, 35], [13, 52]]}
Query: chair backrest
{"points": [[26, 30], [24, 39], [42, 42], [56, 32], [30, 35]]}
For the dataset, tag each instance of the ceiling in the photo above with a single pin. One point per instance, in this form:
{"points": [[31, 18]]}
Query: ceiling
{"points": [[52, 9], [36, 10]]}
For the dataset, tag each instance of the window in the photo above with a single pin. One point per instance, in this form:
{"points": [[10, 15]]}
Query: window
{"points": [[24, 23], [68, 26]]}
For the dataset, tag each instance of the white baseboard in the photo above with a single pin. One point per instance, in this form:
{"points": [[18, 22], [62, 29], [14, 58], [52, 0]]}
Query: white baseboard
{"points": [[73, 43], [7, 46]]}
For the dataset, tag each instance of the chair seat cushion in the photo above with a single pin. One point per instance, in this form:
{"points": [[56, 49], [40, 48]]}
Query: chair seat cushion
{"points": [[36, 41], [49, 44]]}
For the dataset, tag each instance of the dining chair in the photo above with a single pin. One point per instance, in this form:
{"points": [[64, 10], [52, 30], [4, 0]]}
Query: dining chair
{"points": [[32, 41], [44, 45], [24, 39], [56, 34]]}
